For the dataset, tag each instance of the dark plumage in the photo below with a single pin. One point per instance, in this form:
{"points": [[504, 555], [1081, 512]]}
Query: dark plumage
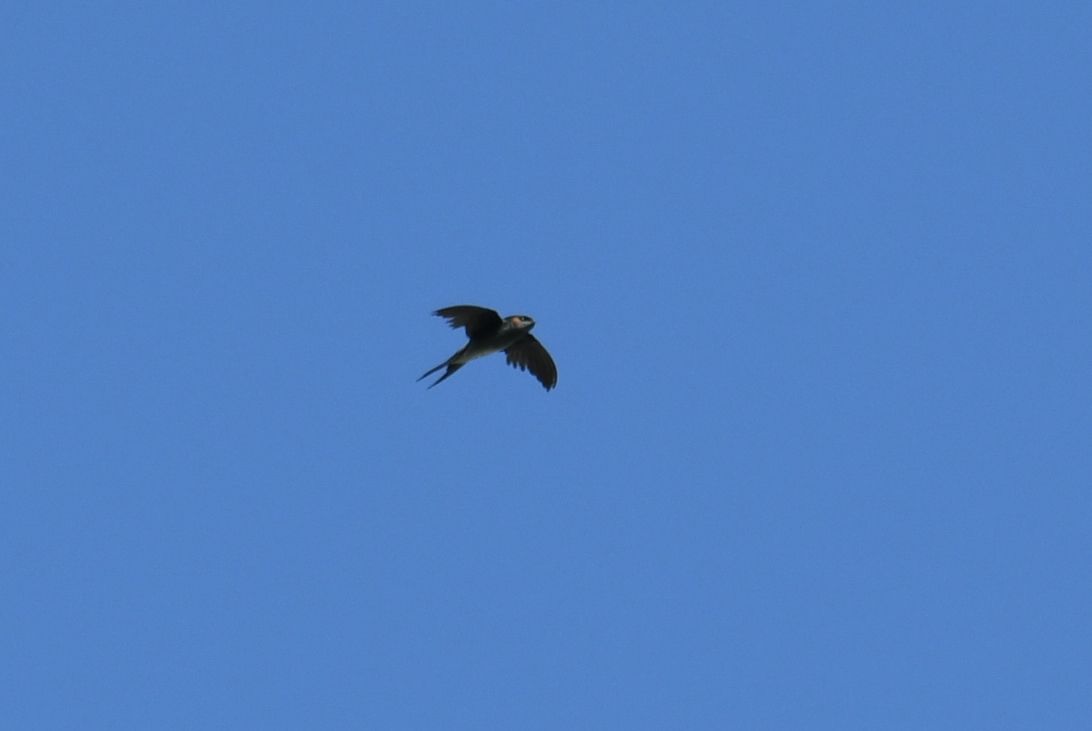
{"points": [[489, 334]]}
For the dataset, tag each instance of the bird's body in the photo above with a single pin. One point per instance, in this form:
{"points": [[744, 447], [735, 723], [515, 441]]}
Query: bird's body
{"points": [[490, 334]]}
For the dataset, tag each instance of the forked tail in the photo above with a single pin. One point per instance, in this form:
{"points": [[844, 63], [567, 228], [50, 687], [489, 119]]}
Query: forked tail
{"points": [[451, 368]]}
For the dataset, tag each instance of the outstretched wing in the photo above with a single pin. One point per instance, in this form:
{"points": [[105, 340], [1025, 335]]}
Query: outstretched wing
{"points": [[528, 354], [476, 320]]}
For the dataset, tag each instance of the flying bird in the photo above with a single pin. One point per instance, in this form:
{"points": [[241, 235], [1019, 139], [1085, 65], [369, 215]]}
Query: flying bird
{"points": [[490, 334]]}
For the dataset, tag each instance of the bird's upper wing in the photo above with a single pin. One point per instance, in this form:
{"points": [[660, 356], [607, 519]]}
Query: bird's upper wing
{"points": [[477, 320], [528, 354]]}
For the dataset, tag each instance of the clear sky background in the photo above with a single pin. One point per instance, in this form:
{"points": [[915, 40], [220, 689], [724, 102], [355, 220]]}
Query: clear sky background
{"points": [[817, 279]]}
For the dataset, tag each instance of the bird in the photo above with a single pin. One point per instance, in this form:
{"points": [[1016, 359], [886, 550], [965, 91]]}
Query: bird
{"points": [[490, 334]]}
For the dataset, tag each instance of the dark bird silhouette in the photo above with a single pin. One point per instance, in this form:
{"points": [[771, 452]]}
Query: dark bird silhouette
{"points": [[490, 334]]}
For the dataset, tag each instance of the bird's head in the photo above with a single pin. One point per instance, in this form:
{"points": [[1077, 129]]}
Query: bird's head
{"points": [[523, 322]]}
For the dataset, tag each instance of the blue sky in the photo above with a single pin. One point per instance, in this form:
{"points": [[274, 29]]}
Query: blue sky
{"points": [[816, 279]]}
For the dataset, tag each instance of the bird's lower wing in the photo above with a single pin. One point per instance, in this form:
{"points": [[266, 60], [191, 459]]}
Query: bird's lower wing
{"points": [[528, 354]]}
